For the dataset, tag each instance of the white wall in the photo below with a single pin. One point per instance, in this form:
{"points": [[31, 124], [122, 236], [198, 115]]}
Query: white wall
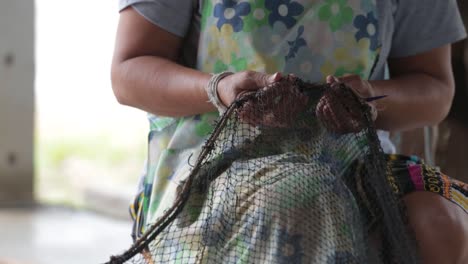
{"points": [[16, 100]]}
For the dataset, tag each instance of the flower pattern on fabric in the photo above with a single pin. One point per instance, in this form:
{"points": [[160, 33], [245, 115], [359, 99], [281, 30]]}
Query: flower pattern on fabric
{"points": [[358, 70], [203, 127], [368, 28], [284, 11], [350, 57], [336, 12], [265, 63], [268, 57], [290, 248], [230, 12], [235, 65], [306, 192], [257, 17], [158, 123], [296, 44], [306, 65], [271, 40], [221, 45]]}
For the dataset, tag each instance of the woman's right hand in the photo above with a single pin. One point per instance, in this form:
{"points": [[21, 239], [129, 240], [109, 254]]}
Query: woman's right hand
{"points": [[276, 106], [231, 86]]}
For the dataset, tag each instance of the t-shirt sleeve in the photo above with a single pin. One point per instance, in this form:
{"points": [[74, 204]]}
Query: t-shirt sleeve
{"points": [[422, 25], [171, 15]]}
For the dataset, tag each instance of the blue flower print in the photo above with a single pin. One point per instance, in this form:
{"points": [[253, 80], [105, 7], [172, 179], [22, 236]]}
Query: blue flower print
{"points": [[368, 27], [283, 11], [290, 248], [296, 44], [230, 12]]}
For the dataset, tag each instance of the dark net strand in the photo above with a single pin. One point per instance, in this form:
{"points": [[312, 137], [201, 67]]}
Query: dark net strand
{"points": [[293, 173]]}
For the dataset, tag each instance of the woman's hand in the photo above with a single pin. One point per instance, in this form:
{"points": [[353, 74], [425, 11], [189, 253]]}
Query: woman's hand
{"points": [[276, 105], [339, 114], [359, 86], [230, 87]]}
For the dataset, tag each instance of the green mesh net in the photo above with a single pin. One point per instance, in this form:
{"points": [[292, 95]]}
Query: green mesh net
{"points": [[292, 173]]}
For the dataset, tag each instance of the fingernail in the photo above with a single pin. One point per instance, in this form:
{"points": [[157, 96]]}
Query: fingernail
{"points": [[332, 79], [276, 77]]}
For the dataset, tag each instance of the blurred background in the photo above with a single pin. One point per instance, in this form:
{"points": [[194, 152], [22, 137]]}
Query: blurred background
{"points": [[71, 156]]}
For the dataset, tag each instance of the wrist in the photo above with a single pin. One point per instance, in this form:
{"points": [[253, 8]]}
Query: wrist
{"points": [[212, 91]]}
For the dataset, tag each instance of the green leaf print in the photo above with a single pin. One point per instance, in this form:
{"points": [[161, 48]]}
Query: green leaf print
{"points": [[204, 126], [220, 66], [337, 13], [359, 70], [257, 17], [236, 64]]}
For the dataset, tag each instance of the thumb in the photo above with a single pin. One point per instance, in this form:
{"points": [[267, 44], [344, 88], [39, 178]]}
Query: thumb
{"points": [[275, 77], [332, 79], [373, 112], [264, 80]]}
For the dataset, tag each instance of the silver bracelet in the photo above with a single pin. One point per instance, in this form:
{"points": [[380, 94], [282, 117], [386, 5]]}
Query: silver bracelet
{"points": [[212, 91]]}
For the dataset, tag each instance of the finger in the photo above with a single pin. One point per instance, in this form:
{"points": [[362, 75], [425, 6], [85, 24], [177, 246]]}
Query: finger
{"points": [[276, 77], [332, 79], [353, 116], [263, 80], [350, 80], [349, 77], [331, 122], [373, 112], [319, 107], [359, 87], [292, 77], [346, 116]]}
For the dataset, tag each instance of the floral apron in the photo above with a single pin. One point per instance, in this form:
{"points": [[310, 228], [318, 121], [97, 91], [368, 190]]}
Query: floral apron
{"points": [[309, 38]]}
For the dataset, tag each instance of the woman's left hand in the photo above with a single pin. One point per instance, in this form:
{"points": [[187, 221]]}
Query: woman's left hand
{"points": [[359, 86], [340, 117]]}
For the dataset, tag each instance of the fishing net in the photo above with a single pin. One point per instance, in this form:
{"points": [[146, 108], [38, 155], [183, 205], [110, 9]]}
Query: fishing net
{"points": [[292, 173]]}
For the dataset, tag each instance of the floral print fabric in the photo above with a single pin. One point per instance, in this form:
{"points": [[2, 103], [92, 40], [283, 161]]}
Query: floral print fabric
{"points": [[311, 39]]}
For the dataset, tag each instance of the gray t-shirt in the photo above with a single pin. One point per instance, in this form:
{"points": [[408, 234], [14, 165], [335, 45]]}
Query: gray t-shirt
{"points": [[406, 27]]}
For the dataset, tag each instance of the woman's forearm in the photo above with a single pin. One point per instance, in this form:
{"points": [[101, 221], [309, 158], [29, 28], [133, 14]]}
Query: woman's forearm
{"points": [[163, 87], [414, 100], [160, 86], [420, 90]]}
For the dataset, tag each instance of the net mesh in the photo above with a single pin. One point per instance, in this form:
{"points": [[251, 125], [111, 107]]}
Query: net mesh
{"points": [[292, 173]]}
